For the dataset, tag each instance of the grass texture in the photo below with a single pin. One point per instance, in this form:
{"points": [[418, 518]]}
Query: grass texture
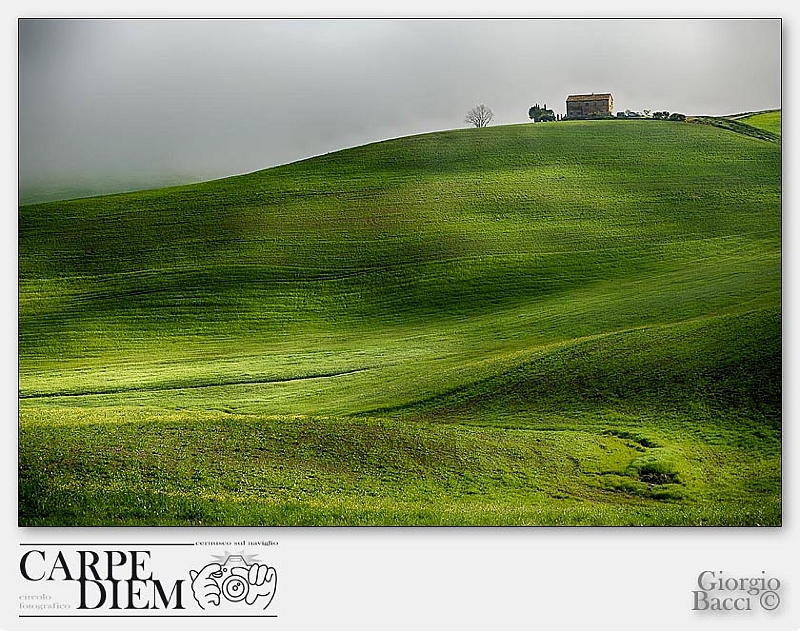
{"points": [[768, 121], [573, 323]]}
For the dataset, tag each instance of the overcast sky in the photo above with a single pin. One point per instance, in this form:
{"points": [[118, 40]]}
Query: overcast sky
{"points": [[146, 101]]}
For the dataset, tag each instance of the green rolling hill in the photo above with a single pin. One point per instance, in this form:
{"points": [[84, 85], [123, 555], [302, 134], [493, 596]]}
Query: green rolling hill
{"points": [[769, 121], [555, 324]]}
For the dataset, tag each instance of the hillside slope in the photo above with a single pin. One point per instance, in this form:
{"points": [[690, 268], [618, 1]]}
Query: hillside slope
{"points": [[769, 121], [601, 292]]}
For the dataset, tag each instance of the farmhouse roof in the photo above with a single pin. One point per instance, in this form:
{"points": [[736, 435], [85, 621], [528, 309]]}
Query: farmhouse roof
{"points": [[588, 97]]}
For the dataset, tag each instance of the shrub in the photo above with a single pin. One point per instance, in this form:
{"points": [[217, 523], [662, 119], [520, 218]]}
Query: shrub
{"points": [[655, 468]]}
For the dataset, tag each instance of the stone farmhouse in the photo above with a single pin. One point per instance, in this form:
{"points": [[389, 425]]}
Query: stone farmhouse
{"points": [[586, 105]]}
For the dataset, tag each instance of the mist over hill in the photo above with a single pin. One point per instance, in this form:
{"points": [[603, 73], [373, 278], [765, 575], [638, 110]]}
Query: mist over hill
{"points": [[116, 104]]}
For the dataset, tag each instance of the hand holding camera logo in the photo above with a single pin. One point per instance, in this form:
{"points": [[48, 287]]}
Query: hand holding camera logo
{"points": [[236, 580]]}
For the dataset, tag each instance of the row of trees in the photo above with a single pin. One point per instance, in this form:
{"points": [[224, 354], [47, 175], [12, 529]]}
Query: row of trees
{"points": [[541, 114], [675, 116], [481, 116]]}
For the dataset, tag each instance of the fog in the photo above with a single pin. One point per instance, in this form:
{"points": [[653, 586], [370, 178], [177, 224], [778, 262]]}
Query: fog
{"points": [[123, 104]]}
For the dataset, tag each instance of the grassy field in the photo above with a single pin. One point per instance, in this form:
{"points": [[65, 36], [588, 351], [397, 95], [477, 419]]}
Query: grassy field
{"points": [[553, 324], [769, 121]]}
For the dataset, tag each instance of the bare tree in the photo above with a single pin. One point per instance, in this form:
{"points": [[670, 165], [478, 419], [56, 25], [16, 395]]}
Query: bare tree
{"points": [[479, 116]]}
